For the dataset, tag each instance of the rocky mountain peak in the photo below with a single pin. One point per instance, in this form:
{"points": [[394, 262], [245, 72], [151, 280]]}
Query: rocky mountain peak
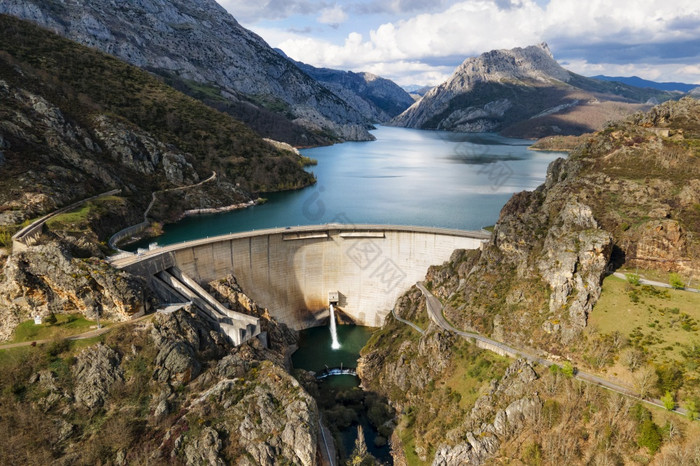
{"points": [[545, 47], [534, 62], [523, 92]]}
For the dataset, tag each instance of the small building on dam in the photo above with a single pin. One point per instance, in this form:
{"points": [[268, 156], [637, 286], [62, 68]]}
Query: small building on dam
{"points": [[293, 272]]}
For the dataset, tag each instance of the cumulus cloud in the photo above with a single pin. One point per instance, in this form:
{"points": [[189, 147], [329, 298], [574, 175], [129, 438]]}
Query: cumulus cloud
{"points": [[642, 35]]}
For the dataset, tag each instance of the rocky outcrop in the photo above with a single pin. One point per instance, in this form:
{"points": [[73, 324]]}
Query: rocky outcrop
{"points": [[263, 415], [183, 341], [141, 152], [496, 416], [46, 279], [575, 255], [517, 91], [407, 365], [166, 390], [96, 370], [198, 41], [622, 197]]}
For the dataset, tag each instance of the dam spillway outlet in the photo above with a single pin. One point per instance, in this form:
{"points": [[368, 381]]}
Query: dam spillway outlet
{"points": [[290, 271], [335, 344]]}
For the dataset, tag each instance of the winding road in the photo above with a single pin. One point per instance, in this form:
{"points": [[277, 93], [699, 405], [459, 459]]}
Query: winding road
{"points": [[434, 307]]}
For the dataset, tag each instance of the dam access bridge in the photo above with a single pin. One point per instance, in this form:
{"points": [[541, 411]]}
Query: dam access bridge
{"points": [[291, 271]]}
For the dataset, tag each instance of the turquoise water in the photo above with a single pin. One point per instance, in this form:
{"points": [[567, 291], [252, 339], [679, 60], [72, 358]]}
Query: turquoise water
{"points": [[405, 177], [315, 352]]}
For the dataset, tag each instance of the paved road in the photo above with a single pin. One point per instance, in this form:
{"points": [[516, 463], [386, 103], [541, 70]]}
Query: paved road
{"points": [[396, 316], [644, 281], [434, 307]]}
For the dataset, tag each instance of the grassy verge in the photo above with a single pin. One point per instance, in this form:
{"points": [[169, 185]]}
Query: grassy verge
{"points": [[66, 325]]}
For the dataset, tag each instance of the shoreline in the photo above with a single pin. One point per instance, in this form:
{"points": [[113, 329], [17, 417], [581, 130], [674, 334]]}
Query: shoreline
{"points": [[218, 210]]}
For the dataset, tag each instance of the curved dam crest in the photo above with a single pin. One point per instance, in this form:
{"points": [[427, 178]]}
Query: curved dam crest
{"points": [[291, 271]]}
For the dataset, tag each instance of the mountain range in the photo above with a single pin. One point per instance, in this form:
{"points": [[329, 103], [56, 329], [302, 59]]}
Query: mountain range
{"points": [[639, 82], [524, 92], [75, 122], [202, 50], [378, 99]]}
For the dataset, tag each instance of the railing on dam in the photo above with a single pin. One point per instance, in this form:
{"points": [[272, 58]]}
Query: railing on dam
{"points": [[290, 271], [300, 233]]}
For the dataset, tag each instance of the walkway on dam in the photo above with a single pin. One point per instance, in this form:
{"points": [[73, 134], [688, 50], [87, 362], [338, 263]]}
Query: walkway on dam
{"points": [[434, 307], [126, 259]]}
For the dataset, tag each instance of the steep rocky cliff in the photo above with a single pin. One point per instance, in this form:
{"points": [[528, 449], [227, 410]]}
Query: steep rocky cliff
{"points": [[626, 196], [75, 122], [166, 390], [376, 98], [46, 279], [523, 92], [199, 41]]}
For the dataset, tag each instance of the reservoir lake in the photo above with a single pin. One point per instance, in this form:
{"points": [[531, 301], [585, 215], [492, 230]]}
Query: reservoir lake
{"points": [[405, 177]]}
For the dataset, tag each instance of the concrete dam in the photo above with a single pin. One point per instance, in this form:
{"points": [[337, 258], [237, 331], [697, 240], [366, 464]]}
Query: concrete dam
{"points": [[296, 272]]}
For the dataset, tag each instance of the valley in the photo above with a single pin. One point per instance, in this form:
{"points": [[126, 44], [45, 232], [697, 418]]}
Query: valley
{"points": [[214, 253]]}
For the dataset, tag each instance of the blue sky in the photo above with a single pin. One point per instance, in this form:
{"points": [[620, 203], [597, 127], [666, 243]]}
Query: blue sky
{"points": [[421, 42]]}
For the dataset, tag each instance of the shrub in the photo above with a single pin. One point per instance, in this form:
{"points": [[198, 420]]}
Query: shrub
{"points": [[676, 281], [57, 347], [668, 401], [532, 454], [633, 279], [567, 369], [649, 436], [691, 410]]}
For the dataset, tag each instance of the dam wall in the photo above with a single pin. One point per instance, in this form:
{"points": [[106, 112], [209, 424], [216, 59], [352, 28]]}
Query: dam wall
{"points": [[291, 271]]}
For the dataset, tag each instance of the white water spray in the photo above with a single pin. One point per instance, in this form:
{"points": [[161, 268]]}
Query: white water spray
{"points": [[334, 332]]}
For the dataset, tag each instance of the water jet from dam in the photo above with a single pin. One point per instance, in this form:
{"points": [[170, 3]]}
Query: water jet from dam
{"points": [[296, 273], [335, 344]]}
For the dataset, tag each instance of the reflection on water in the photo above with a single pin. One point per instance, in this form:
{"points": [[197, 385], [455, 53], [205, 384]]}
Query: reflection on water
{"points": [[405, 177], [315, 352]]}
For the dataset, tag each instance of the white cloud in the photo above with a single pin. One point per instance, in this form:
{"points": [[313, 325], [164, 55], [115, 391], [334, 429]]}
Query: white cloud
{"points": [[333, 16], [620, 35]]}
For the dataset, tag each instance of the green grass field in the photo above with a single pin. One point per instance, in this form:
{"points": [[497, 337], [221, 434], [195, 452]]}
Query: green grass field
{"points": [[659, 319], [66, 325]]}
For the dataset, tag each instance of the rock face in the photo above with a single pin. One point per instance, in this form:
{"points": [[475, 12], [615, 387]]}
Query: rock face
{"points": [[516, 92], [96, 371], [166, 390], [46, 279], [198, 41], [263, 415], [624, 196], [376, 98], [496, 416]]}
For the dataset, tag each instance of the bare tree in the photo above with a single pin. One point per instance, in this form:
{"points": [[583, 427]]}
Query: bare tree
{"points": [[632, 358], [645, 381]]}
